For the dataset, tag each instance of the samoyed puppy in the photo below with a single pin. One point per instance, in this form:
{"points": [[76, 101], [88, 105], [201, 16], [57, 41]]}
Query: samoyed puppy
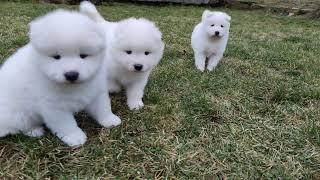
{"points": [[57, 74], [134, 49], [209, 39]]}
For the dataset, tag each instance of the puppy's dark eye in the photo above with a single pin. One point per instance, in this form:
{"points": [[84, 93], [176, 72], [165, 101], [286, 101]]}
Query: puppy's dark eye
{"points": [[146, 53], [57, 56], [83, 56], [212, 25], [128, 52], [222, 25]]}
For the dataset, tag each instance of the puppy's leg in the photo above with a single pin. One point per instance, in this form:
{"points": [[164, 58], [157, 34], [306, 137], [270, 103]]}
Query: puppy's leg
{"points": [[135, 92], [65, 127], [4, 132], [113, 87], [200, 60], [100, 110], [10, 122], [35, 132], [213, 61]]}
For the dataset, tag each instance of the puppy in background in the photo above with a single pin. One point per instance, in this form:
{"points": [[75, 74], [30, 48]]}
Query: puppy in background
{"points": [[134, 49], [58, 73], [209, 39]]}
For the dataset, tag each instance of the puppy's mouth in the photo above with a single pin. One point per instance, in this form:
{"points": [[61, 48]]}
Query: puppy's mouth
{"points": [[216, 36], [68, 83], [138, 71], [74, 82]]}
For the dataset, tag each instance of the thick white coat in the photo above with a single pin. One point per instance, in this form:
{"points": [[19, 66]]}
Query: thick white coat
{"points": [[209, 39], [33, 87], [137, 36]]}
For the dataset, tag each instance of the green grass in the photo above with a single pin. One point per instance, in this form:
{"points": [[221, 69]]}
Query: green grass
{"points": [[255, 117]]}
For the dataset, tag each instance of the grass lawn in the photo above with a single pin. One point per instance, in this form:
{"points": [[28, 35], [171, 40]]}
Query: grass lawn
{"points": [[256, 116]]}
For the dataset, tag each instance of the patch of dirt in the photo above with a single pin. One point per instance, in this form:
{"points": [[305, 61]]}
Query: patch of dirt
{"points": [[282, 7]]}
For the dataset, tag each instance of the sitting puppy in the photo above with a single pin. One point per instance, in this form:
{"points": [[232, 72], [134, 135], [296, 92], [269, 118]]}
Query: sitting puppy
{"points": [[134, 49], [209, 39], [61, 74]]}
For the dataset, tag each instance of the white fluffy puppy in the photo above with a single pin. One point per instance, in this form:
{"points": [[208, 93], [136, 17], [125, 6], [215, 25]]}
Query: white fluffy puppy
{"points": [[209, 39], [55, 75], [135, 47]]}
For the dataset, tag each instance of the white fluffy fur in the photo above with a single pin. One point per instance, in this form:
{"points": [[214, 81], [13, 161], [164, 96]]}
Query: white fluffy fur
{"points": [[137, 36], [206, 43], [33, 87]]}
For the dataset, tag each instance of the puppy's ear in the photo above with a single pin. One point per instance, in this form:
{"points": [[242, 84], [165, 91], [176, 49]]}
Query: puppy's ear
{"points": [[34, 29], [206, 13], [30, 25], [87, 8], [162, 45], [228, 18]]}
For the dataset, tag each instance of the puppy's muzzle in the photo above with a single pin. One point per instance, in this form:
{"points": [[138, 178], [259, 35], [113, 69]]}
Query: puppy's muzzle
{"points": [[138, 67], [217, 33], [71, 76]]}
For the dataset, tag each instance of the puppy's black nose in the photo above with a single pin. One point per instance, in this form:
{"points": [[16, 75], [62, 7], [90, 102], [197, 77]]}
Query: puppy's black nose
{"points": [[217, 33], [71, 76], [138, 67]]}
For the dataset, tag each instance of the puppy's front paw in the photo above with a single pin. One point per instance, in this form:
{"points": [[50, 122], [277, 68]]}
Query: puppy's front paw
{"points": [[4, 132], [135, 105], [35, 132], [211, 68], [111, 121], [75, 138], [114, 89], [200, 67]]}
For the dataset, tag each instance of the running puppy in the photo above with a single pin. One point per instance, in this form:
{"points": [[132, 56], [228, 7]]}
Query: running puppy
{"points": [[209, 39]]}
